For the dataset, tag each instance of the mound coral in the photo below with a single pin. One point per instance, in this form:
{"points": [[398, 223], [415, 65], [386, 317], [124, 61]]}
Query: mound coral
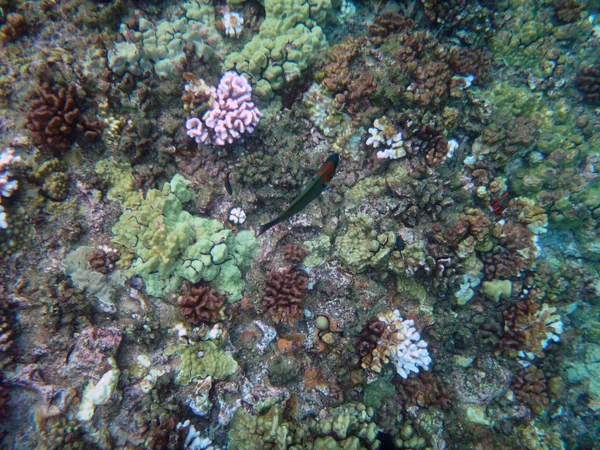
{"points": [[167, 244], [287, 43]]}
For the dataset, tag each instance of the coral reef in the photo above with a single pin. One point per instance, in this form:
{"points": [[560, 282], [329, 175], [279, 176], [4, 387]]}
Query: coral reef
{"points": [[167, 244], [588, 83]]}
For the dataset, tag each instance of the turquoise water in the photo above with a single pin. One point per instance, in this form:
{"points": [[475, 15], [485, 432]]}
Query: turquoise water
{"points": [[260, 224]]}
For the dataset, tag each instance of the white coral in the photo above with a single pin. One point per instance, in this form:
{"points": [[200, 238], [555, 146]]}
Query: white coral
{"points": [[389, 138], [407, 351]]}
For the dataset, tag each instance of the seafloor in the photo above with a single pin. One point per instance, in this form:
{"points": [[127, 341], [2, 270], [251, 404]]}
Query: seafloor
{"points": [[440, 292]]}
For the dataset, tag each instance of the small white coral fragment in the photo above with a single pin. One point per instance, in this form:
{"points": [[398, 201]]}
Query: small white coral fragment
{"points": [[99, 393]]}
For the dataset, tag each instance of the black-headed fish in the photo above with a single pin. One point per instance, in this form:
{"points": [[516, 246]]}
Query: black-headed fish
{"points": [[228, 187], [310, 192]]}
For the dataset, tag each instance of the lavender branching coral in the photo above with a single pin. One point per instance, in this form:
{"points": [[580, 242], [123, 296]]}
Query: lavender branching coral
{"points": [[231, 113]]}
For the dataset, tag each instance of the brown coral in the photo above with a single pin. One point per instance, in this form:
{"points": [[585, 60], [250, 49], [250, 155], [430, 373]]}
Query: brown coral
{"points": [[201, 304], [103, 262], [367, 341], [293, 253], [284, 294], [530, 387], [14, 28], [567, 10], [425, 390], [588, 83], [388, 23], [528, 328], [54, 118], [430, 85]]}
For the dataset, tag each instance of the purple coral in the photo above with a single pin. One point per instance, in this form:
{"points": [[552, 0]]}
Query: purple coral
{"points": [[231, 114]]}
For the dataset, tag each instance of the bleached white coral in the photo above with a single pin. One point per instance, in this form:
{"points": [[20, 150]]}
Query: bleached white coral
{"points": [[237, 216], [399, 344], [382, 134], [7, 186], [233, 23], [407, 350]]}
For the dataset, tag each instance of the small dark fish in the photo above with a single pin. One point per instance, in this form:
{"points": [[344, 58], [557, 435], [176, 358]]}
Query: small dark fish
{"points": [[228, 184], [386, 441], [400, 244], [310, 192]]}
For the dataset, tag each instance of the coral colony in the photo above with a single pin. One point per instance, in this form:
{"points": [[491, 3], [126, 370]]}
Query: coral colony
{"points": [[231, 113], [441, 291]]}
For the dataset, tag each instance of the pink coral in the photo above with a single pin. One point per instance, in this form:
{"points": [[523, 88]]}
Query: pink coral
{"points": [[231, 114]]}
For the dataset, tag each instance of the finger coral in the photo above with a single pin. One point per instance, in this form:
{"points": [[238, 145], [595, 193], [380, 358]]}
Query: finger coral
{"points": [[399, 343], [54, 119], [201, 304], [284, 295], [230, 115], [528, 329]]}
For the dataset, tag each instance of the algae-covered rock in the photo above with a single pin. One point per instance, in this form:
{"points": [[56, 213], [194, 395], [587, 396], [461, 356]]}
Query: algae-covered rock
{"points": [[202, 360], [105, 287], [362, 246]]}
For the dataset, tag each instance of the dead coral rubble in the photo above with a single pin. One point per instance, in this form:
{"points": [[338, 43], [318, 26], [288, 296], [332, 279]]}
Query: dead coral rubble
{"points": [[201, 304], [284, 295]]}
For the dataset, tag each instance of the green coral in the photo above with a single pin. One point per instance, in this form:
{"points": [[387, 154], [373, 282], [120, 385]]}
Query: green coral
{"points": [[348, 426], [362, 246], [202, 360], [287, 43], [168, 244]]}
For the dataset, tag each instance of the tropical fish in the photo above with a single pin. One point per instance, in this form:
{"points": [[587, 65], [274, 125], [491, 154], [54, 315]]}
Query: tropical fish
{"points": [[228, 187], [310, 192]]}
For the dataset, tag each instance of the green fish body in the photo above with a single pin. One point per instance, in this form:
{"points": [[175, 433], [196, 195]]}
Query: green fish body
{"points": [[311, 192]]}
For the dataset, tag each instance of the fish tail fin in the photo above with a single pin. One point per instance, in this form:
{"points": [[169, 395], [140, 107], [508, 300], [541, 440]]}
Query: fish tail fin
{"points": [[266, 226]]}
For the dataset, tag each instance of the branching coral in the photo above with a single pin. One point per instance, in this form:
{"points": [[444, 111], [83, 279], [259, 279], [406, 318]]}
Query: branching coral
{"points": [[399, 344], [54, 119], [588, 83], [530, 387], [14, 27], [293, 253], [528, 329], [284, 295], [201, 304], [103, 262]]}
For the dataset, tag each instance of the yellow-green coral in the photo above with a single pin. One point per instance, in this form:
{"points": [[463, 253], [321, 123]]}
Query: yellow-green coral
{"points": [[362, 246], [168, 244], [202, 360], [288, 41], [345, 427]]}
